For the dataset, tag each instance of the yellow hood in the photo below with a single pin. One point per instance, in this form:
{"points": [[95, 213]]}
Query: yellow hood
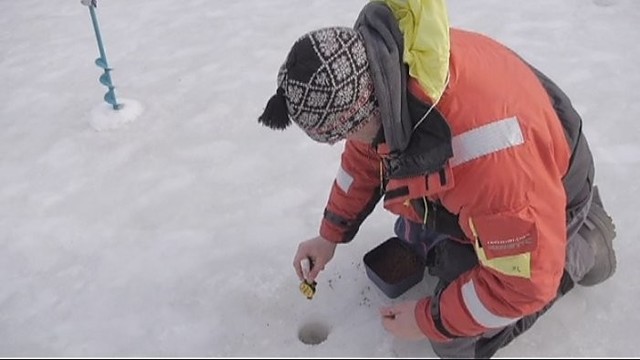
{"points": [[425, 26]]}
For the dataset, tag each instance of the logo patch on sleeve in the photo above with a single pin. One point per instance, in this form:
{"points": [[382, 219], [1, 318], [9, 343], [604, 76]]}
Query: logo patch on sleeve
{"points": [[504, 242], [505, 234]]}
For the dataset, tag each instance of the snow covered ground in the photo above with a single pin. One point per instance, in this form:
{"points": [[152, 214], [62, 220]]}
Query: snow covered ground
{"points": [[174, 234]]}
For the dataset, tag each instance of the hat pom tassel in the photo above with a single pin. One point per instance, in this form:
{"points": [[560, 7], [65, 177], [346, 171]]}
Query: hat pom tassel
{"points": [[275, 115]]}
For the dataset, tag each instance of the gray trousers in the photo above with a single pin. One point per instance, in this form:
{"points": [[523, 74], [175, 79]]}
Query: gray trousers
{"points": [[453, 259]]}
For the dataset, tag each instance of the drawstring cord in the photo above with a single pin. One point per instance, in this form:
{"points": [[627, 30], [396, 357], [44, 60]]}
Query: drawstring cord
{"points": [[446, 83], [426, 212], [426, 209]]}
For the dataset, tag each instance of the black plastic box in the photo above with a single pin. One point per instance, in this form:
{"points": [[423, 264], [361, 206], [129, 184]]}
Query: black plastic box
{"points": [[394, 267]]}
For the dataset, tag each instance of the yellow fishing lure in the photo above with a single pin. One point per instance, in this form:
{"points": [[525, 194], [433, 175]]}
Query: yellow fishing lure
{"points": [[308, 289]]}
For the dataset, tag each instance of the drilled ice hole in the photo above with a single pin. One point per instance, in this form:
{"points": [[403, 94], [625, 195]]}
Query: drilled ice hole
{"points": [[313, 333]]}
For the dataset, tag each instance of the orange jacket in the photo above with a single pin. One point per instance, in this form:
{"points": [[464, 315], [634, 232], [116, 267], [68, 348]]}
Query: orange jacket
{"points": [[504, 182]]}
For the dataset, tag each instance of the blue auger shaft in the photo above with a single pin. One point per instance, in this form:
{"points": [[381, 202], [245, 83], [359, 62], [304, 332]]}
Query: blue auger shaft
{"points": [[96, 28], [105, 79]]}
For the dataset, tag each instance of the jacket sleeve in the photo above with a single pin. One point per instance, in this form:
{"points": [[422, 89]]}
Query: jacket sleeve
{"points": [[520, 264], [354, 193]]}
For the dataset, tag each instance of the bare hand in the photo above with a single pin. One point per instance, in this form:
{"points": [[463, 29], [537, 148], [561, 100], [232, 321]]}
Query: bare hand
{"points": [[319, 251], [400, 321]]}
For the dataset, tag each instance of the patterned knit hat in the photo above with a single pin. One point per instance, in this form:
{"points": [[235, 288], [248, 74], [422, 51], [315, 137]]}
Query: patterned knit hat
{"points": [[324, 86]]}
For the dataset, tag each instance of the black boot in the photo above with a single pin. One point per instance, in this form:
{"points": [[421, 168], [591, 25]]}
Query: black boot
{"points": [[599, 231]]}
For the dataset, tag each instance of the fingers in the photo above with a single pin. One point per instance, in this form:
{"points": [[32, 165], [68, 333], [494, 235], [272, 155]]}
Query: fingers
{"points": [[400, 321], [388, 319], [387, 312], [307, 268], [298, 271], [305, 264], [315, 270], [318, 251], [298, 267]]}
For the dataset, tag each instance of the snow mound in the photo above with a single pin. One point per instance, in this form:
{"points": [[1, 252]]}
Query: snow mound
{"points": [[104, 117]]}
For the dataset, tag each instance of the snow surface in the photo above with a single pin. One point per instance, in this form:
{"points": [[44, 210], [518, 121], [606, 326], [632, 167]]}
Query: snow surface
{"points": [[172, 230]]}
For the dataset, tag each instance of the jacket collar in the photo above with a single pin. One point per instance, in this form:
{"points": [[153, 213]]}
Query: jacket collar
{"points": [[407, 151]]}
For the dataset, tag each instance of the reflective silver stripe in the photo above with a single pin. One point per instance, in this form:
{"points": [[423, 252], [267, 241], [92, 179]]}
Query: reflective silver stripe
{"points": [[485, 140], [479, 312], [343, 179]]}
